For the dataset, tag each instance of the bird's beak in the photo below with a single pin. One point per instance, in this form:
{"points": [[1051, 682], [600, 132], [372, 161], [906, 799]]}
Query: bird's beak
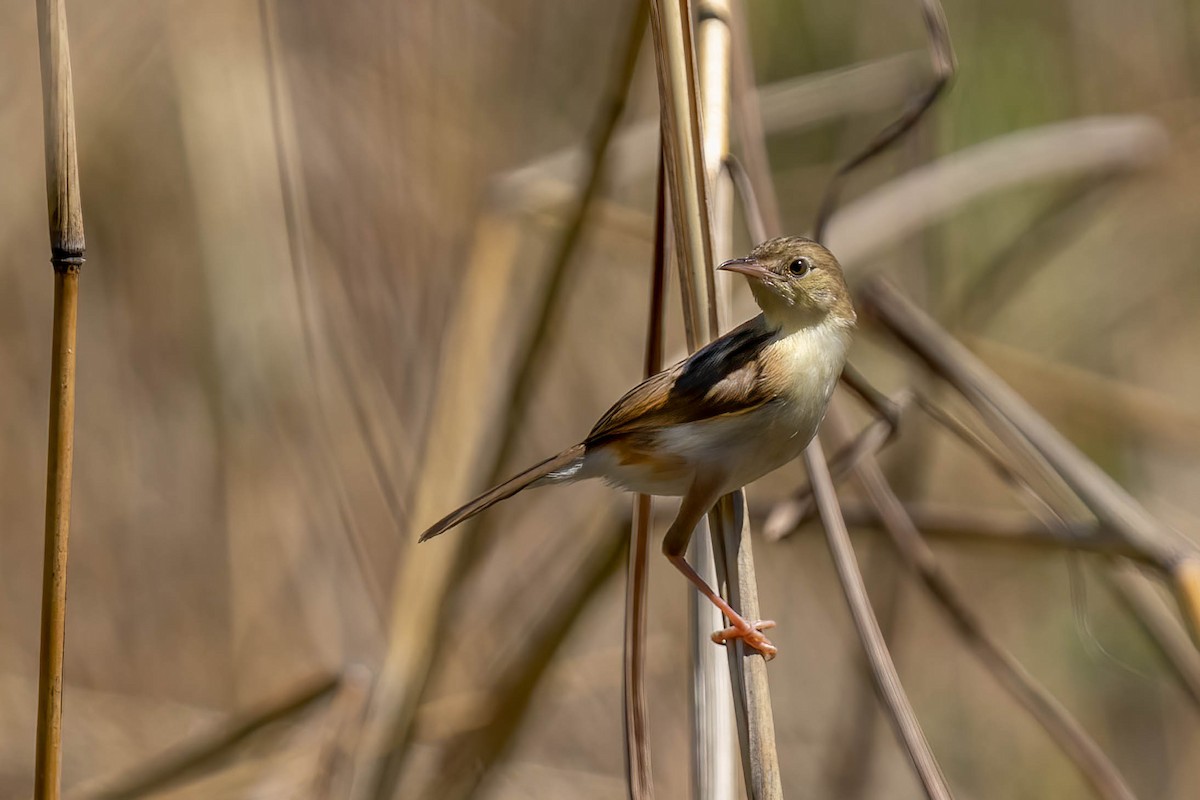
{"points": [[746, 266]]}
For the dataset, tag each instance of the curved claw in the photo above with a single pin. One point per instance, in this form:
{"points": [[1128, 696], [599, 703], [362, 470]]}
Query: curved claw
{"points": [[751, 634]]}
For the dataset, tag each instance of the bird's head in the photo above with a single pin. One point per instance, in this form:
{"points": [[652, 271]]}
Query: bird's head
{"points": [[796, 282]]}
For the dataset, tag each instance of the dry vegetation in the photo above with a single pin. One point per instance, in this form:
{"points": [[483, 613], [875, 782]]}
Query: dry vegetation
{"points": [[335, 284]]}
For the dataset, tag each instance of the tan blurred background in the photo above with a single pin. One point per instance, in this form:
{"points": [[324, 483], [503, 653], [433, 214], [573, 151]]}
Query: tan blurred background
{"points": [[280, 216]]}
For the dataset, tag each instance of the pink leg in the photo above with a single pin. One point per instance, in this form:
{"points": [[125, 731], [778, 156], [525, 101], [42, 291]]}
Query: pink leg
{"points": [[701, 497]]}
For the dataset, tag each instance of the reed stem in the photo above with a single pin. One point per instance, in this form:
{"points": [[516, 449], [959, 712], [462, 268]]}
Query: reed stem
{"points": [[67, 256]]}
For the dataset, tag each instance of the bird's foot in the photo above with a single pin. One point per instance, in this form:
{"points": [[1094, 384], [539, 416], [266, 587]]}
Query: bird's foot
{"points": [[751, 634]]}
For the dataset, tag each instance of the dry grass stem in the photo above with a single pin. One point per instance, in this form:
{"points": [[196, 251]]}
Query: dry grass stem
{"points": [[465, 765], [1001, 406], [879, 659], [942, 54], [315, 333], [425, 582], [1054, 718], [995, 526], [67, 250], [1163, 628], [683, 157], [686, 178], [731, 542], [925, 194], [638, 772], [786, 107]]}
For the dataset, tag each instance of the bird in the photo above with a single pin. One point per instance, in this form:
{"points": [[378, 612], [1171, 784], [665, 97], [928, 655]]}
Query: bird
{"points": [[736, 409]]}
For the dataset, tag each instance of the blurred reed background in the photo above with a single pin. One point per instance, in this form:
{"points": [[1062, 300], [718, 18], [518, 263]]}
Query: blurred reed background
{"points": [[289, 206]]}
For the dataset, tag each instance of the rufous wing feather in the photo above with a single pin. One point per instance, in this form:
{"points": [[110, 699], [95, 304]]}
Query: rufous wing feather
{"points": [[505, 490]]}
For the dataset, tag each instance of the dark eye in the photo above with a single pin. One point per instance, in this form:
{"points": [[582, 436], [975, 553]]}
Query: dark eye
{"points": [[799, 267]]}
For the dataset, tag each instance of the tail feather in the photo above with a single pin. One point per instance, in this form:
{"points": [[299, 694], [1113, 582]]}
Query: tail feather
{"points": [[537, 472]]}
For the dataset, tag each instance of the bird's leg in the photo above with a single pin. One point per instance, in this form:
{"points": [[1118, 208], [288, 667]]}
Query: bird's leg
{"points": [[700, 498]]}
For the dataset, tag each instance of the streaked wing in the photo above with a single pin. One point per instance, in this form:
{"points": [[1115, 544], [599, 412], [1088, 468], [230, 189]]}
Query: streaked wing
{"points": [[723, 377]]}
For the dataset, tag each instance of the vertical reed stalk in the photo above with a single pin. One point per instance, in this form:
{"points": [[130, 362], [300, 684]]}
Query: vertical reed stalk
{"points": [[691, 164], [67, 256], [732, 543], [669, 22], [639, 776]]}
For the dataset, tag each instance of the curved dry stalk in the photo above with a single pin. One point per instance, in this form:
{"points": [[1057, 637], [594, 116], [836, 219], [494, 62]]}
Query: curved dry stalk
{"points": [[1004, 408], [942, 54], [786, 107], [67, 250], [923, 195], [1153, 614]]}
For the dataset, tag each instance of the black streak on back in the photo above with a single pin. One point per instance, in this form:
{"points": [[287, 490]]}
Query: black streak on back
{"points": [[720, 359]]}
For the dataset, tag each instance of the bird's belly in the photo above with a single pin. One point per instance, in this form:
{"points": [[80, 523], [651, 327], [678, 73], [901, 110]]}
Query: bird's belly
{"points": [[747, 446], [742, 447]]}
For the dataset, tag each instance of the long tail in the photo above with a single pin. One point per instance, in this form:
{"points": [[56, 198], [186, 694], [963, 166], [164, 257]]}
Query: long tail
{"points": [[545, 469]]}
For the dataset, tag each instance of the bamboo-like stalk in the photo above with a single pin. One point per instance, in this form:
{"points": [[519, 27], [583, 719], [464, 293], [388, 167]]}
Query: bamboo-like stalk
{"points": [[670, 21], [687, 191], [67, 256], [688, 173], [718, 678]]}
